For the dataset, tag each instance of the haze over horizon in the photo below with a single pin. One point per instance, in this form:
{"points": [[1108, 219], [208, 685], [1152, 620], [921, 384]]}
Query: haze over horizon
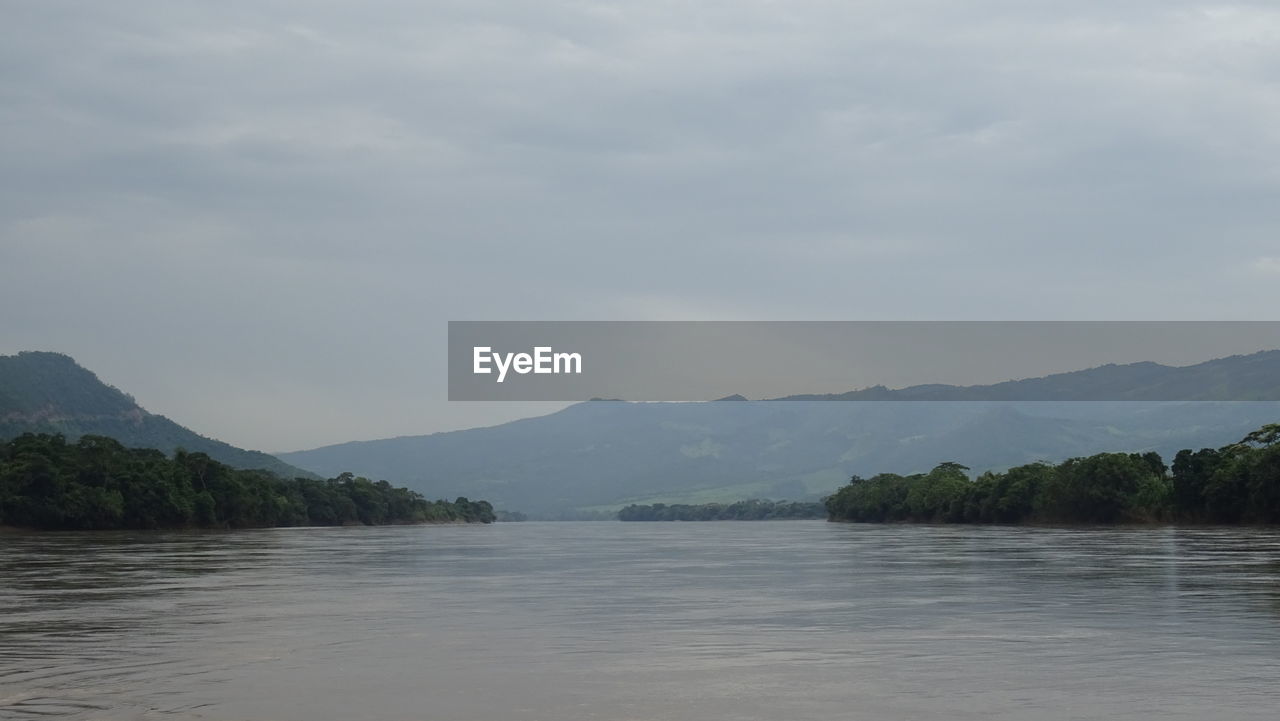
{"points": [[257, 218]]}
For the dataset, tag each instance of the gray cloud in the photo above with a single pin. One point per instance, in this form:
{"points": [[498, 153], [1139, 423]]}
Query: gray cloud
{"points": [[258, 216]]}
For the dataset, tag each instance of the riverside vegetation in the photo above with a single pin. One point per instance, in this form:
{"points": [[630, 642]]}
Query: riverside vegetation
{"points": [[1238, 483], [95, 482], [753, 510]]}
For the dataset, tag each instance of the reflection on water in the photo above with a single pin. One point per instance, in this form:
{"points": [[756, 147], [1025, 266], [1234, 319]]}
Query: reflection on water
{"points": [[570, 621]]}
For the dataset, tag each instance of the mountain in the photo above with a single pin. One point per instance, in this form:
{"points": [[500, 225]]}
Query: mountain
{"points": [[44, 392], [1254, 377], [600, 455]]}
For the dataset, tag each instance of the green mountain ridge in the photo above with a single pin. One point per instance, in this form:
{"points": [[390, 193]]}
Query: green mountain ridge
{"points": [[45, 392]]}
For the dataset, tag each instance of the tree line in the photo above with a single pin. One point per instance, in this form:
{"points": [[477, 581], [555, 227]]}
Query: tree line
{"points": [[753, 510], [95, 482], [1238, 483]]}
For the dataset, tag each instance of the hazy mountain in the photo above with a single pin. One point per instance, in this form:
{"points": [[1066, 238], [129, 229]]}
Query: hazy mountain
{"points": [[607, 453], [1254, 377], [49, 393]]}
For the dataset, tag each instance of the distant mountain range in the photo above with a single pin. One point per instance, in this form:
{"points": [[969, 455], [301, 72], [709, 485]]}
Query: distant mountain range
{"points": [[597, 456], [44, 392], [1254, 377]]}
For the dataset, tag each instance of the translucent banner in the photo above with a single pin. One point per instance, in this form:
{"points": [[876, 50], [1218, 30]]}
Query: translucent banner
{"points": [[864, 360]]}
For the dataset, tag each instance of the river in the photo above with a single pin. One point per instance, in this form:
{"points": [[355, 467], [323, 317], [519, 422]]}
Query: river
{"points": [[775, 621]]}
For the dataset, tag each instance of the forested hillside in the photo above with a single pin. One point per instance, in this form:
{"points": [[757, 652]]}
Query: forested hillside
{"points": [[44, 392]]}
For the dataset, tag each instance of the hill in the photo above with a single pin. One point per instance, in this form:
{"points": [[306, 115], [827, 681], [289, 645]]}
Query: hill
{"points": [[600, 456], [1253, 377], [43, 392]]}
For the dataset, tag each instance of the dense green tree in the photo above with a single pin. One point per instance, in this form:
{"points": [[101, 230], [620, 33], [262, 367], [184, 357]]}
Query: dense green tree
{"points": [[938, 495], [1236, 484], [96, 483], [1192, 472], [1096, 489], [752, 510]]}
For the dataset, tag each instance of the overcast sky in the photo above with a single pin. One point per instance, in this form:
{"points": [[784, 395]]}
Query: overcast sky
{"points": [[257, 217]]}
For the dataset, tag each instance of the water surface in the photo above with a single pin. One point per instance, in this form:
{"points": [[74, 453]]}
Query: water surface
{"points": [[774, 621]]}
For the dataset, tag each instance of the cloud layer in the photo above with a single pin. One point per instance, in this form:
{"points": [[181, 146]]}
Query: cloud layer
{"points": [[257, 216]]}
